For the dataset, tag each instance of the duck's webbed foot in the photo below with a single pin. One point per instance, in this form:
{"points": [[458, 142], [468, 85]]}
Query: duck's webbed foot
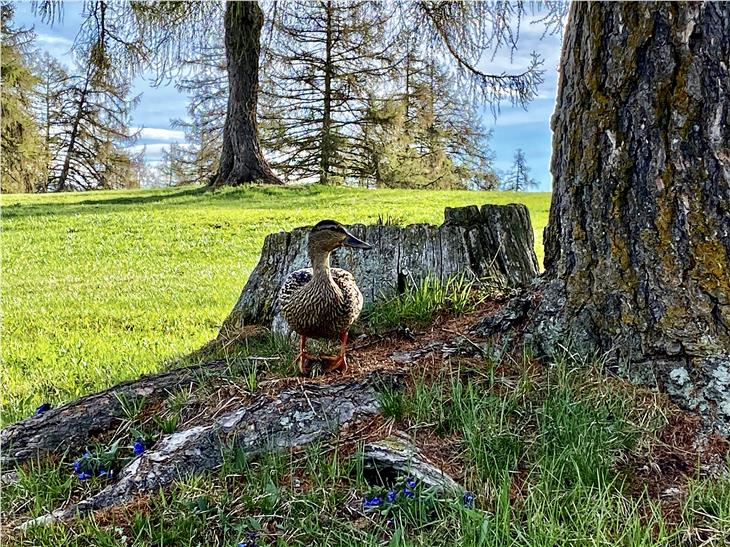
{"points": [[339, 361], [332, 363], [305, 362]]}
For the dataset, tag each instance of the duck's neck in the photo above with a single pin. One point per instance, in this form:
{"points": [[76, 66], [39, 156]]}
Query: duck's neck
{"points": [[320, 265]]}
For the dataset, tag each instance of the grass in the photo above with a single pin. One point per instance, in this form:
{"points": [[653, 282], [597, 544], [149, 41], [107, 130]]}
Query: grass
{"points": [[98, 287], [541, 448], [417, 306], [103, 286]]}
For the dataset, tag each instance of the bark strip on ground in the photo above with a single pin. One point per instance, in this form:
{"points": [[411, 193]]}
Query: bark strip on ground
{"points": [[297, 415], [75, 423]]}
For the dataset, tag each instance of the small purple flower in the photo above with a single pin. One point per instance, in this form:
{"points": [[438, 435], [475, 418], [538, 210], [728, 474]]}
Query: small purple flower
{"points": [[77, 466], [87, 455], [45, 407], [138, 447], [407, 492], [375, 501], [390, 496], [469, 499], [84, 475], [411, 482]]}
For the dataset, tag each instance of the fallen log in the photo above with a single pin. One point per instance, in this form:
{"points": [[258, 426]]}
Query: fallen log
{"points": [[495, 242], [299, 414], [74, 424]]}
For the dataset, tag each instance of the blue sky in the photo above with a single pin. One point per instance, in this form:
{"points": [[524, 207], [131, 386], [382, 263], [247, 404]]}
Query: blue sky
{"points": [[514, 127]]}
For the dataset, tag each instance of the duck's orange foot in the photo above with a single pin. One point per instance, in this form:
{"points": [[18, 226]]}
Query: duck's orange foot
{"points": [[332, 363]]}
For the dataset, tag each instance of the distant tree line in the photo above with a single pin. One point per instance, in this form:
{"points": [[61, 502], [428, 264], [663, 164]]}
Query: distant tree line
{"points": [[357, 93], [63, 129]]}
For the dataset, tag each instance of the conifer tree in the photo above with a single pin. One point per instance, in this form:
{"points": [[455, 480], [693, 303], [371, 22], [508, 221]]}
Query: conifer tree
{"points": [[518, 178], [22, 161]]}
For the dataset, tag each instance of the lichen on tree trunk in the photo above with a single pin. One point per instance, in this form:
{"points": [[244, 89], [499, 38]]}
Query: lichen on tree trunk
{"points": [[241, 157], [637, 249]]}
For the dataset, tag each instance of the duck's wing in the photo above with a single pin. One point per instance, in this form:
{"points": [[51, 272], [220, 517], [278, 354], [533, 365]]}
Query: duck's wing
{"points": [[350, 291], [292, 284]]}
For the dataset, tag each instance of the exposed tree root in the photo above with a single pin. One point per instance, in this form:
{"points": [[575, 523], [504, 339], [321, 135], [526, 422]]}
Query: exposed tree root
{"points": [[299, 414], [75, 423]]}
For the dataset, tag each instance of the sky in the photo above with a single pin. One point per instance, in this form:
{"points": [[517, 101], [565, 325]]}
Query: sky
{"points": [[514, 127]]}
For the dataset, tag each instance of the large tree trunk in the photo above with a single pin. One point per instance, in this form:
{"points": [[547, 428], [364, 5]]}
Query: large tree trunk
{"points": [[241, 157], [638, 243]]}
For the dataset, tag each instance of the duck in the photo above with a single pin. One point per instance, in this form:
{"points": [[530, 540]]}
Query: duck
{"points": [[322, 302]]}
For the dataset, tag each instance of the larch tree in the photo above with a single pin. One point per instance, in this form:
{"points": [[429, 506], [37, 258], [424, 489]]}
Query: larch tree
{"points": [[424, 134], [206, 85], [51, 100], [326, 59], [22, 161], [518, 178], [91, 132], [637, 249], [463, 32]]}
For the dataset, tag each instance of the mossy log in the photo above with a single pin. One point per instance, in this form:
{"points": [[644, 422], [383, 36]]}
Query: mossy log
{"points": [[637, 248], [494, 242]]}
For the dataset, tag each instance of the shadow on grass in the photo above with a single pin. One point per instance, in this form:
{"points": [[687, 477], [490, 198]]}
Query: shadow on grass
{"points": [[144, 199], [252, 195]]}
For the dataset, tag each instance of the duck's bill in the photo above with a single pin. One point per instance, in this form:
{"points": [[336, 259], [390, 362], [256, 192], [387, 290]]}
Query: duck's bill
{"points": [[352, 241]]}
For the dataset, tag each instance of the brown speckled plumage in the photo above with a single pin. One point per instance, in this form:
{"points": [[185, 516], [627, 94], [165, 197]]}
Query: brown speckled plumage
{"points": [[322, 302], [317, 307]]}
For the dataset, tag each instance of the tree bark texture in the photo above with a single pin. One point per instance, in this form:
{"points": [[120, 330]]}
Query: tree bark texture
{"points": [[637, 249], [495, 242], [295, 416], [241, 157], [74, 424]]}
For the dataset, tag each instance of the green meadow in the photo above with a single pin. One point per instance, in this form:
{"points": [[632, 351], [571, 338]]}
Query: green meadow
{"points": [[99, 287]]}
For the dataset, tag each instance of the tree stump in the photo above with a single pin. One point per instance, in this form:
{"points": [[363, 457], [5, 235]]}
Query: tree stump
{"points": [[494, 242]]}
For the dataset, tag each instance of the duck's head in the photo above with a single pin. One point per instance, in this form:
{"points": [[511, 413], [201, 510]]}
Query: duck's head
{"points": [[328, 235]]}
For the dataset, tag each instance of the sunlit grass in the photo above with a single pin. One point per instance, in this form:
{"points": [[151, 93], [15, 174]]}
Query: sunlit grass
{"points": [[98, 287]]}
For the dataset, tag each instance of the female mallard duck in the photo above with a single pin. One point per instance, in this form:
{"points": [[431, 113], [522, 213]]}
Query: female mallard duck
{"points": [[322, 302]]}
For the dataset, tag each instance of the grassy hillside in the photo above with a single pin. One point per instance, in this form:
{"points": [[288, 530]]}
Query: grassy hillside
{"points": [[103, 286]]}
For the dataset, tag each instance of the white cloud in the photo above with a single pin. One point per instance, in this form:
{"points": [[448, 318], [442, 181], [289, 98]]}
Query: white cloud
{"points": [[160, 134], [153, 150], [53, 41]]}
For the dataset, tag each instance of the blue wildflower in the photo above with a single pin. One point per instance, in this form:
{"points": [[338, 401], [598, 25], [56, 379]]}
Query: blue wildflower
{"points": [[407, 492], [373, 502], [469, 499], [87, 455], [77, 466], [43, 408], [104, 473], [390, 496], [411, 482], [251, 541], [138, 447], [84, 475]]}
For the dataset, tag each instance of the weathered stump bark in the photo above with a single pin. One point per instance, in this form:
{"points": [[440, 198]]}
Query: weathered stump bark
{"points": [[75, 423], [295, 416], [495, 242], [637, 250]]}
